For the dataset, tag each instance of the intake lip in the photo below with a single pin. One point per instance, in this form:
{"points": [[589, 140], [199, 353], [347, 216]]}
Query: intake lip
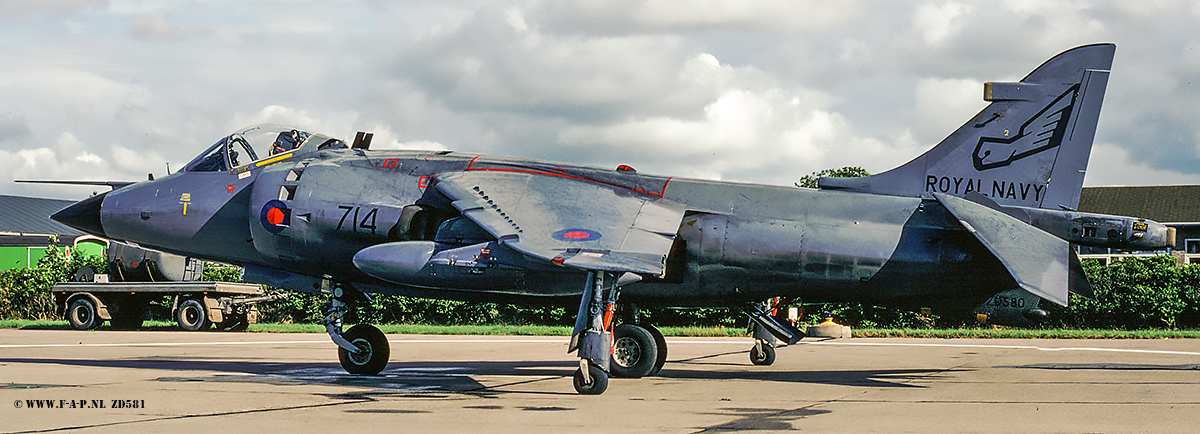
{"points": [[83, 215]]}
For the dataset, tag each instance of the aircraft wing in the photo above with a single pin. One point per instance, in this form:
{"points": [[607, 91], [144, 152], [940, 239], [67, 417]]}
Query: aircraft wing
{"points": [[568, 220], [1038, 261]]}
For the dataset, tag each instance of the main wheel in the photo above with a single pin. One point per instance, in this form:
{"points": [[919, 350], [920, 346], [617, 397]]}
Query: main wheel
{"points": [[192, 315], [762, 355], [634, 351], [373, 354], [82, 314], [597, 382], [661, 343]]}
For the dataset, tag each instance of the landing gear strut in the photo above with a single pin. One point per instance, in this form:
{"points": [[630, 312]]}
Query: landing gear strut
{"points": [[767, 331], [593, 333], [362, 350]]}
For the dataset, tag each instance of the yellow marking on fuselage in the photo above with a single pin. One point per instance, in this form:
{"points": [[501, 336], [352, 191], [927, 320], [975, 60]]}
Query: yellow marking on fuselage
{"points": [[276, 158]]}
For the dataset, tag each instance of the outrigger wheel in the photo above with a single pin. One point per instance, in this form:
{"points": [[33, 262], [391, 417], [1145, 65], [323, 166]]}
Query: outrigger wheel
{"points": [[593, 382], [762, 354], [373, 352]]}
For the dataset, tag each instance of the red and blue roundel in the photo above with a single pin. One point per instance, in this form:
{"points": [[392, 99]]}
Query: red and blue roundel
{"points": [[576, 235], [275, 216]]}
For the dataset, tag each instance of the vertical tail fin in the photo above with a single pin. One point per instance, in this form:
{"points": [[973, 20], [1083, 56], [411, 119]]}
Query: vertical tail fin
{"points": [[1029, 147]]}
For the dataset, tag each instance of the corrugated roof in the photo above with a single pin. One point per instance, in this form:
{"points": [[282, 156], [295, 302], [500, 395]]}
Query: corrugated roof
{"points": [[31, 215], [1161, 203]]}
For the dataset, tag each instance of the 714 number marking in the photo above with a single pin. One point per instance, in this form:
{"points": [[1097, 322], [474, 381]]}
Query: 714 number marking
{"points": [[367, 221]]}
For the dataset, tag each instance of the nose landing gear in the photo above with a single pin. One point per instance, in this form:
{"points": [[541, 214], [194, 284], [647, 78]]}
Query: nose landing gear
{"points": [[362, 350]]}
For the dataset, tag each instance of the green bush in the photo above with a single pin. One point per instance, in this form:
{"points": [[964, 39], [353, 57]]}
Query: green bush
{"points": [[25, 292], [1135, 293]]}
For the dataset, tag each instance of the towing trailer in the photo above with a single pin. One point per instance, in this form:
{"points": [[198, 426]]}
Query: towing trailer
{"points": [[195, 306]]}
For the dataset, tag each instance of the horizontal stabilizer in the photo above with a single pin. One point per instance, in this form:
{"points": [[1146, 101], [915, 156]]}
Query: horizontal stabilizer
{"points": [[1038, 261]]}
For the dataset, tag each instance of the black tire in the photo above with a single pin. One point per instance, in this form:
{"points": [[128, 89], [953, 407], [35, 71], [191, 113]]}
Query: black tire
{"points": [[661, 343], [192, 315], [762, 355], [597, 385], [375, 350], [85, 274], [82, 314], [634, 351]]}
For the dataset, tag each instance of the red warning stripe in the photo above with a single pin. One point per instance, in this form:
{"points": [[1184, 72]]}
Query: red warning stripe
{"points": [[563, 175]]}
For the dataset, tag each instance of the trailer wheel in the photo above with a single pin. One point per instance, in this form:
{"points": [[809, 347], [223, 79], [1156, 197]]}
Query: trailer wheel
{"points": [[192, 315], [82, 314]]}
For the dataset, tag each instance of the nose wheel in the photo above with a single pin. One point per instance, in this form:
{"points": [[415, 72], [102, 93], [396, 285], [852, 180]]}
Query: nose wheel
{"points": [[373, 351]]}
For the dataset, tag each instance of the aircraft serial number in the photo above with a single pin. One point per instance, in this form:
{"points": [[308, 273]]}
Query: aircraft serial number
{"points": [[356, 225], [1002, 301]]}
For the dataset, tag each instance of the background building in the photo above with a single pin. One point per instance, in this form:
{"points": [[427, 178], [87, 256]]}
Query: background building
{"points": [[25, 231]]}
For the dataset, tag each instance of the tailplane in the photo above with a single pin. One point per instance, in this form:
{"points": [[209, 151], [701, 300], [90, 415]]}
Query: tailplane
{"points": [[1029, 147]]}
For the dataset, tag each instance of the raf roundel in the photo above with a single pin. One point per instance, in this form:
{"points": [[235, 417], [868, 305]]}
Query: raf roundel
{"points": [[275, 216], [576, 235]]}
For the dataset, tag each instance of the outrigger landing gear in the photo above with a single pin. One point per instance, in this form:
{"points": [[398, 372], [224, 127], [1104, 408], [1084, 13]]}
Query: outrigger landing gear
{"points": [[593, 333], [362, 350], [766, 330]]}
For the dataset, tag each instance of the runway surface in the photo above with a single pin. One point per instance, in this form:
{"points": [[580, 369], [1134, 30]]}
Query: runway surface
{"points": [[236, 382]]}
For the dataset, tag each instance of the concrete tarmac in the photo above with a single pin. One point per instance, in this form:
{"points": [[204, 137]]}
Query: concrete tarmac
{"points": [[150, 381]]}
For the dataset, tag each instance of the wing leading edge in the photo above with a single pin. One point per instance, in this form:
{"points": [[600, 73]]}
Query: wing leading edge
{"points": [[567, 220]]}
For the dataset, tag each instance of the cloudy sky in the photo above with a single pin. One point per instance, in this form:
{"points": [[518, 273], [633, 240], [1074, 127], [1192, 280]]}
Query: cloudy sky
{"points": [[760, 91]]}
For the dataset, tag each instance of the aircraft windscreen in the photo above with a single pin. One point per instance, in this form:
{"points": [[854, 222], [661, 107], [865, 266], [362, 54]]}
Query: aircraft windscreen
{"points": [[211, 160], [256, 143]]}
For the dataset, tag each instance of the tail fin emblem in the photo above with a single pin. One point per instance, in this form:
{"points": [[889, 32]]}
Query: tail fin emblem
{"points": [[1046, 129]]}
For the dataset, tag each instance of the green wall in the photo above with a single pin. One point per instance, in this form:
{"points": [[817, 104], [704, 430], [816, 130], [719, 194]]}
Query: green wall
{"points": [[26, 257]]}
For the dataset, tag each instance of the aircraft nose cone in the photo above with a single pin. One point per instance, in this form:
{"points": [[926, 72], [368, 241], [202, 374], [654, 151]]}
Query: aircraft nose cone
{"points": [[83, 215]]}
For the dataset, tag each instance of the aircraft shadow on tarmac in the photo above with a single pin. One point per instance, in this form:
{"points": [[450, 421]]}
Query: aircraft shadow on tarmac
{"points": [[460, 376]]}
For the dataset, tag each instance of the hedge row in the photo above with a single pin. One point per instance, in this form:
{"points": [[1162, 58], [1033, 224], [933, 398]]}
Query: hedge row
{"points": [[1136, 293]]}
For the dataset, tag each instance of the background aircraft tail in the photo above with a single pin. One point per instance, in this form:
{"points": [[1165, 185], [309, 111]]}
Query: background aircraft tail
{"points": [[1029, 147]]}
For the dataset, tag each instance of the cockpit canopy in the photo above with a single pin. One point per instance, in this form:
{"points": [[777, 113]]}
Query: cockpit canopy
{"points": [[256, 143]]}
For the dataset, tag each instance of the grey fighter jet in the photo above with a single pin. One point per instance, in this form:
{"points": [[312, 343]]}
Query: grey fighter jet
{"points": [[985, 218]]}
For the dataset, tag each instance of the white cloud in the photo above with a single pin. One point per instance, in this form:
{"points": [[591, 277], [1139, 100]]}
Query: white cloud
{"points": [[1112, 165], [761, 91], [155, 26], [939, 22]]}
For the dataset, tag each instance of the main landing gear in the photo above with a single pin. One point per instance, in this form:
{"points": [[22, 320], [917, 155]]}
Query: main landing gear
{"points": [[362, 350]]}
